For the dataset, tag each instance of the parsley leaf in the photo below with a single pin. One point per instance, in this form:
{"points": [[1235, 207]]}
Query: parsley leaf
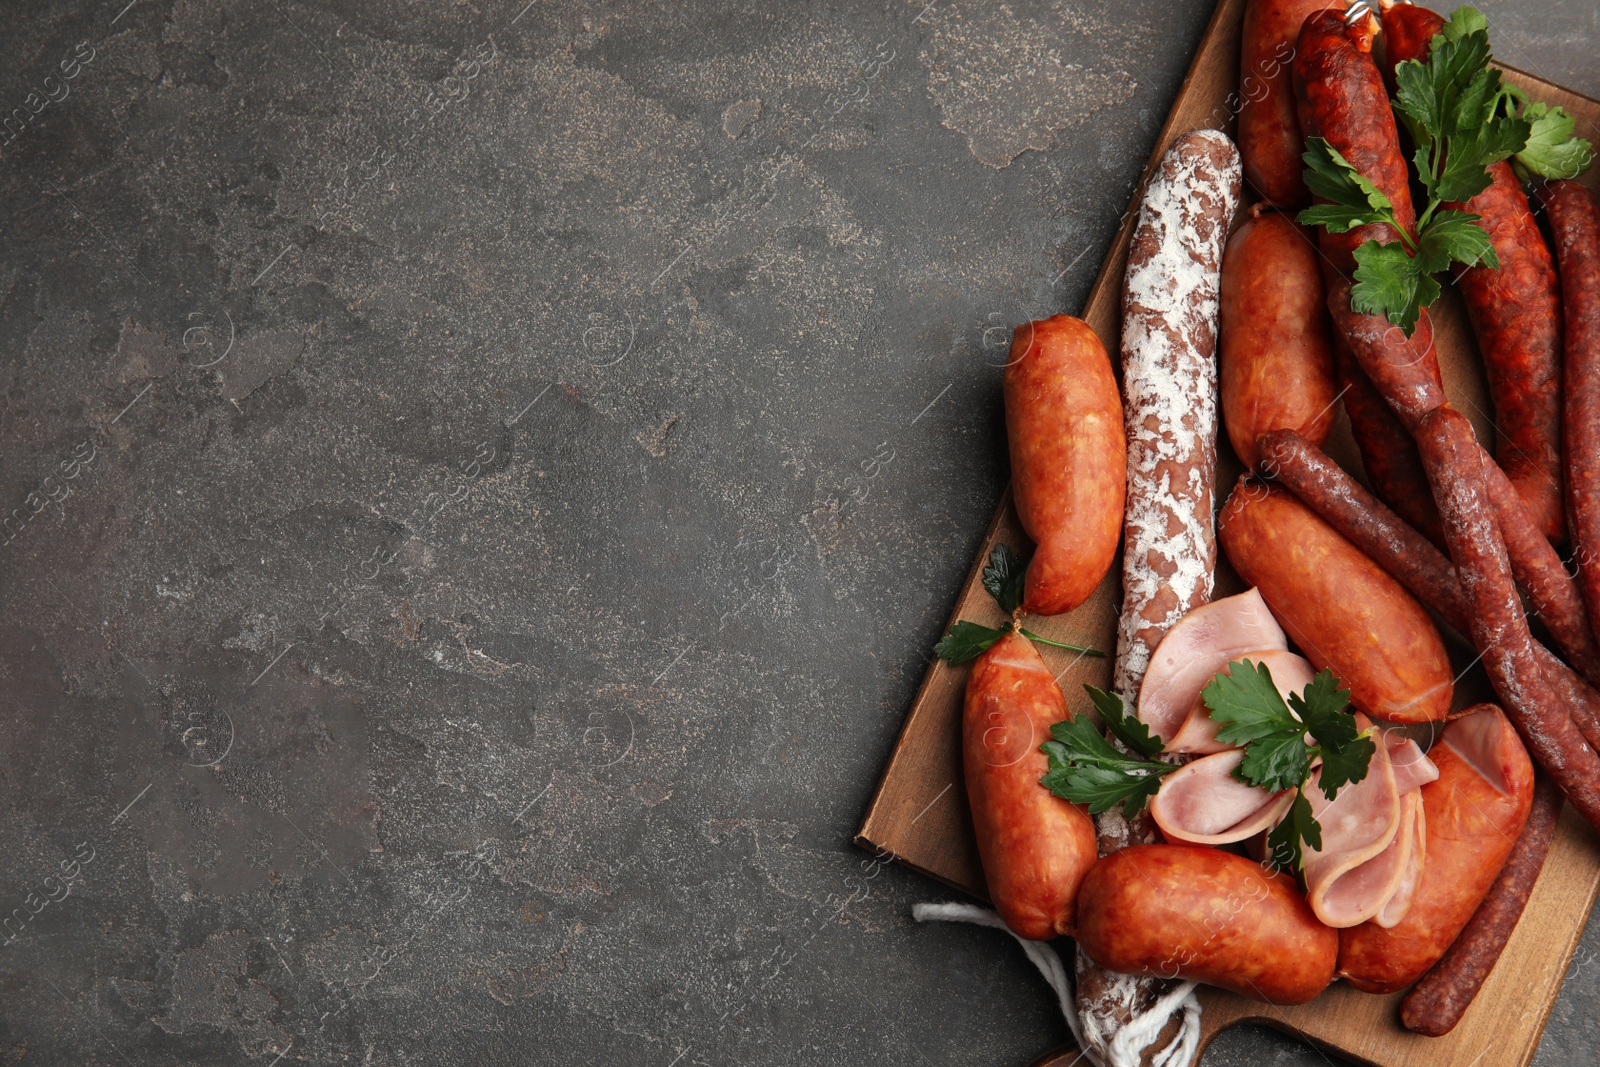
{"points": [[1455, 237], [1284, 849], [1085, 769], [1004, 577], [1247, 702], [1354, 200], [1390, 282], [966, 641], [1553, 150], [1253, 713], [1464, 173], [1129, 730], [1346, 750]]}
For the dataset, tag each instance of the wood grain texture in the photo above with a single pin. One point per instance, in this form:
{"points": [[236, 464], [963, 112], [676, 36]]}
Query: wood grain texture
{"points": [[919, 813]]}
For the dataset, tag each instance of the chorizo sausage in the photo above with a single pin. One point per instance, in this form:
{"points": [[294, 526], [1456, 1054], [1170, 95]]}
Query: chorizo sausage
{"points": [[1276, 366], [1455, 465], [1269, 131], [1068, 458], [1405, 554], [1340, 97], [1170, 295], [1438, 1001], [1575, 222], [1200, 913], [1474, 811], [1035, 847], [1387, 452], [1515, 310], [1343, 611]]}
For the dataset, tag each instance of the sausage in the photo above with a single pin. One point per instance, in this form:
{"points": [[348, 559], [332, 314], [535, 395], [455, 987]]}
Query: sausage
{"points": [[1200, 913], [1269, 131], [1575, 223], [1068, 458], [1473, 817], [1539, 570], [1455, 465], [1443, 995], [1516, 314], [1170, 297], [1276, 364], [1387, 452], [1035, 847], [1337, 605], [1405, 371], [1405, 554], [1340, 97], [1515, 310]]}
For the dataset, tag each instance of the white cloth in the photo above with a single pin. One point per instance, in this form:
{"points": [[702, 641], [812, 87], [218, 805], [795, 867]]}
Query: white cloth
{"points": [[1127, 1048]]}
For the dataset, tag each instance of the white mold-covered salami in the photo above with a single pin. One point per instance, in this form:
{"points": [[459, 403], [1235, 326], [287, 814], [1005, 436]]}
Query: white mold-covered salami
{"points": [[1169, 340]]}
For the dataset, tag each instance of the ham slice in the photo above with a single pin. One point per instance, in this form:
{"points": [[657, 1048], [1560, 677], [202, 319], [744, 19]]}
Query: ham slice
{"points": [[1203, 804], [1414, 833], [1198, 734], [1356, 872], [1197, 647], [1412, 767]]}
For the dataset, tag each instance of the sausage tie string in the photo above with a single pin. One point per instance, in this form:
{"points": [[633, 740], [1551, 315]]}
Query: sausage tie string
{"points": [[1127, 1047]]}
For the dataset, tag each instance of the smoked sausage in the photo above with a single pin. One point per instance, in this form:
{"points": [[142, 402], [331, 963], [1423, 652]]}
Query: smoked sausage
{"points": [[1184, 911], [1269, 131], [1515, 309], [1337, 605], [1035, 846], [1387, 452], [1068, 458], [1274, 348], [1575, 222], [1474, 811], [1445, 992], [1455, 465]]}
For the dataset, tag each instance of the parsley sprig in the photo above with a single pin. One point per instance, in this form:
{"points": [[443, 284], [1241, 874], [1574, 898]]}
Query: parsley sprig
{"points": [[1276, 756], [1003, 579], [1462, 117], [1085, 768]]}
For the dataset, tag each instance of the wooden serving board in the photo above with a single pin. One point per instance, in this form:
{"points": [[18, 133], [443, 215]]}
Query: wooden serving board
{"points": [[920, 816]]}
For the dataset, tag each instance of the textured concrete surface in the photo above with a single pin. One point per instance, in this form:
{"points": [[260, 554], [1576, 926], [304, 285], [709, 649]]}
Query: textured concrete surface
{"points": [[483, 480]]}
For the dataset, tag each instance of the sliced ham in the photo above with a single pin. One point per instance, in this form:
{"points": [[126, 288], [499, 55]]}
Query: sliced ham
{"points": [[1412, 767], [1203, 804], [1196, 648], [1356, 872], [1198, 734], [1414, 837]]}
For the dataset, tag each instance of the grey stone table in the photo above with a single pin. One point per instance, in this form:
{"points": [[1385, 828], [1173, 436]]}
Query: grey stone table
{"points": [[483, 480]]}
